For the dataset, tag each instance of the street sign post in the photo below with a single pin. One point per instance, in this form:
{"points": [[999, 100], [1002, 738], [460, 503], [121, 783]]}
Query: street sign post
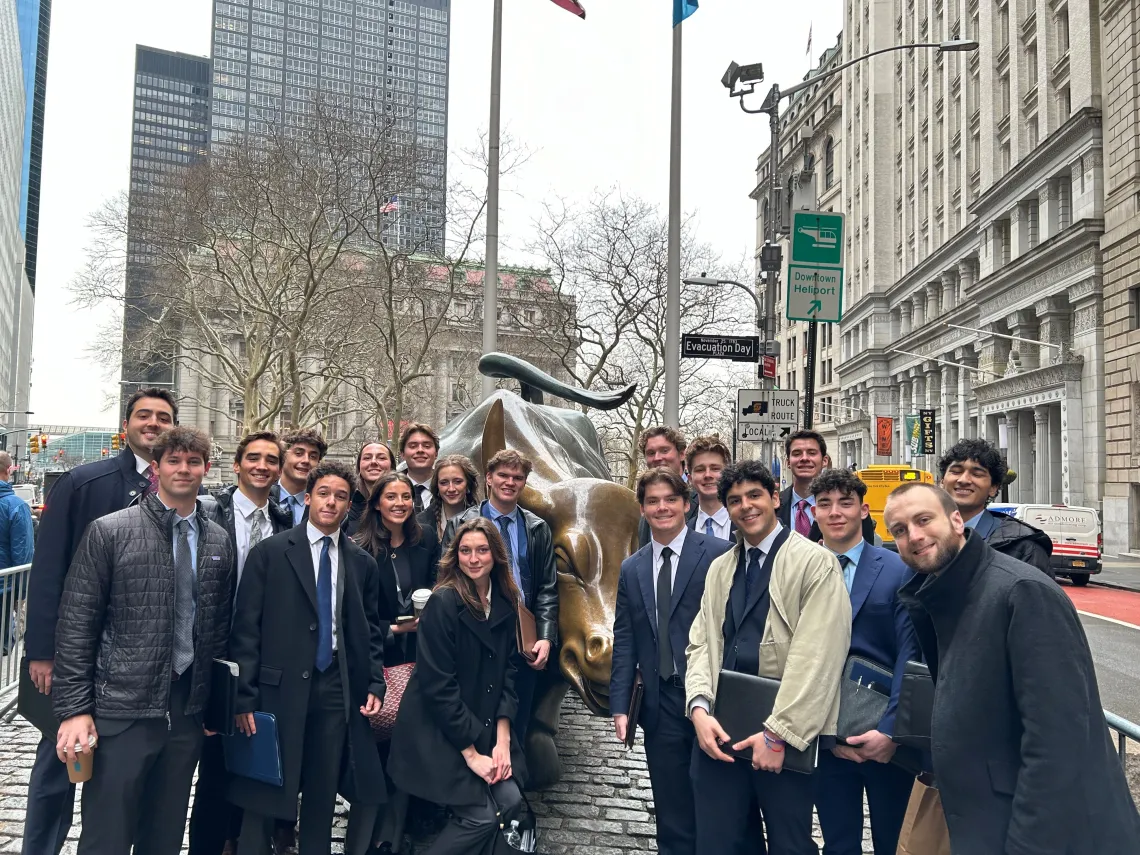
{"points": [[766, 414], [736, 348], [815, 267]]}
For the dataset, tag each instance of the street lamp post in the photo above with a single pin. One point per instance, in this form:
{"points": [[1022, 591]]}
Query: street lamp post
{"points": [[749, 76]]}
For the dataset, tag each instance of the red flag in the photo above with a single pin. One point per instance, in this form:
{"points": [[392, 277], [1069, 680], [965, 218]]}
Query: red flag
{"points": [[571, 6]]}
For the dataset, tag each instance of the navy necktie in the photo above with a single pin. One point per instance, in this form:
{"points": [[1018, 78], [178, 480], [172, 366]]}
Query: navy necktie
{"points": [[505, 527], [755, 556], [664, 598], [324, 608], [709, 527]]}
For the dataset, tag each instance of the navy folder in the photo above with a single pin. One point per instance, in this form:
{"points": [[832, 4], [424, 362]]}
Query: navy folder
{"points": [[258, 756]]}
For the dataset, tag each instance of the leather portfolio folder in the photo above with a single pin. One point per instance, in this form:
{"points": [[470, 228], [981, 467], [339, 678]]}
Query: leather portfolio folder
{"points": [[864, 694], [219, 715], [526, 631], [35, 706], [258, 756], [916, 706], [635, 700], [743, 704]]}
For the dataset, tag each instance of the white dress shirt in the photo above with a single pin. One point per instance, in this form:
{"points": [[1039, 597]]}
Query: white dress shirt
{"points": [[141, 466], [721, 524], [427, 497], [244, 509], [315, 535], [658, 548]]}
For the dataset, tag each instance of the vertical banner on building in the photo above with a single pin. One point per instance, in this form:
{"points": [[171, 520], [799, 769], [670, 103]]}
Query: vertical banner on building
{"points": [[910, 425], [884, 435], [926, 423]]}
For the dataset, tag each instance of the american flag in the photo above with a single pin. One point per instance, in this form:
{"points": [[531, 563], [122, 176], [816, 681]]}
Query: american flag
{"points": [[393, 204], [571, 6]]}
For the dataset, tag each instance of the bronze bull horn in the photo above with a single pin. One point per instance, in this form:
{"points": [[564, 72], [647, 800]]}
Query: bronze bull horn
{"points": [[534, 382]]}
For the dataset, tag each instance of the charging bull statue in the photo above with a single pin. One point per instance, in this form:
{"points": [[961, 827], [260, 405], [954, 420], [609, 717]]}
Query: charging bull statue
{"points": [[593, 522]]}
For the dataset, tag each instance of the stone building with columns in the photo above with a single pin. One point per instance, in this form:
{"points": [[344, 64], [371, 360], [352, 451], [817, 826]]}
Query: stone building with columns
{"points": [[975, 210], [1120, 54], [810, 173]]}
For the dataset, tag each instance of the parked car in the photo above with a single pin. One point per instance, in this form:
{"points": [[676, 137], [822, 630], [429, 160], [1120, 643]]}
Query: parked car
{"points": [[1075, 532]]}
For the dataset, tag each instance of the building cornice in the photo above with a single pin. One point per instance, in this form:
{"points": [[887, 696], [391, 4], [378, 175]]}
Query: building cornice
{"points": [[1079, 135], [1030, 381], [959, 247]]}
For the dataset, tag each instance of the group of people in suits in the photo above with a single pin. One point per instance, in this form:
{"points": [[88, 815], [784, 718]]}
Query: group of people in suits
{"points": [[798, 588], [152, 579]]}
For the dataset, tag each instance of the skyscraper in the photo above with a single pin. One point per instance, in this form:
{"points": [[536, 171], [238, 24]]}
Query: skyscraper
{"points": [[34, 18], [271, 57], [170, 131]]}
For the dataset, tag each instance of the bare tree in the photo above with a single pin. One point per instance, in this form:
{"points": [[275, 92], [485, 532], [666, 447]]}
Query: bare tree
{"points": [[609, 258]]}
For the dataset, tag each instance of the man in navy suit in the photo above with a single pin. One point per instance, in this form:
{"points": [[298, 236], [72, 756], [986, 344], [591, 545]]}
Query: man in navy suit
{"points": [[659, 594], [881, 631]]}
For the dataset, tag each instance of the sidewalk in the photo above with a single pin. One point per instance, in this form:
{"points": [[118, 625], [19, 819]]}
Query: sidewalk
{"points": [[1120, 572]]}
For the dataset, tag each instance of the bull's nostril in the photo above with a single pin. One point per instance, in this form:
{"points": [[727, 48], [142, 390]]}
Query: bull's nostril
{"points": [[597, 648]]}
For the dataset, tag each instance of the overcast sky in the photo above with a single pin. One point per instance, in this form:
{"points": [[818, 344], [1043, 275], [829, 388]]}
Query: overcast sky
{"points": [[589, 98]]}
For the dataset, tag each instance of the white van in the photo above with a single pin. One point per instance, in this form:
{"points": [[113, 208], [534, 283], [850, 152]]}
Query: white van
{"points": [[1075, 532]]}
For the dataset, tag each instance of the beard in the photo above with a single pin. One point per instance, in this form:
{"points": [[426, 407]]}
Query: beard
{"points": [[946, 551]]}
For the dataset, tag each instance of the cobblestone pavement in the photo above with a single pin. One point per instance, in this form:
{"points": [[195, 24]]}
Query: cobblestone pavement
{"points": [[602, 806]]}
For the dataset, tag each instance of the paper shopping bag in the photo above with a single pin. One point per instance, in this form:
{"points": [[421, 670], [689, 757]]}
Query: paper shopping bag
{"points": [[924, 830]]}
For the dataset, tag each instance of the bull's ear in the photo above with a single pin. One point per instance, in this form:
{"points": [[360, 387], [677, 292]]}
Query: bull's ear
{"points": [[494, 435]]}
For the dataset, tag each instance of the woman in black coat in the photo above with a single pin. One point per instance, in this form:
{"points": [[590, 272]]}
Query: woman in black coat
{"points": [[453, 743], [454, 488], [407, 556]]}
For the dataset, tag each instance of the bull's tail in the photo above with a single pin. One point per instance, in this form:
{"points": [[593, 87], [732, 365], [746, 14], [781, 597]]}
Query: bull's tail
{"points": [[534, 382]]}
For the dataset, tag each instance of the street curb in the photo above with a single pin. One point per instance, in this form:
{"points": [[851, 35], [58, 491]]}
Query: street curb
{"points": [[1116, 586]]}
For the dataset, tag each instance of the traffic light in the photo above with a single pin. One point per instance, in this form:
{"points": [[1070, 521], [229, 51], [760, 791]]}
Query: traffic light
{"points": [[43, 439], [34, 444], [103, 451], [114, 442]]}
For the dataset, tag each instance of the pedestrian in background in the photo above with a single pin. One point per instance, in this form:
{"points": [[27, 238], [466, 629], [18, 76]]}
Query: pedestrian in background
{"points": [[145, 610], [1023, 759], [81, 495], [17, 542], [454, 489], [453, 742]]}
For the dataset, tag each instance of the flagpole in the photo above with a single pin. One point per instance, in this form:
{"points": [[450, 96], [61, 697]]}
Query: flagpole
{"points": [[491, 272], [672, 415]]}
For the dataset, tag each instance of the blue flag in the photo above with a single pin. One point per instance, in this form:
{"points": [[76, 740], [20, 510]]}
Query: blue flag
{"points": [[683, 9]]}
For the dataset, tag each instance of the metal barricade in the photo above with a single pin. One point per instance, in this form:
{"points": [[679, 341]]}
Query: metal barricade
{"points": [[13, 615], [1125, 730]]}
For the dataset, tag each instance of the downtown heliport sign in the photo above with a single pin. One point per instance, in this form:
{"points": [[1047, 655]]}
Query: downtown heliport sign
{"points": [[815, 268]]}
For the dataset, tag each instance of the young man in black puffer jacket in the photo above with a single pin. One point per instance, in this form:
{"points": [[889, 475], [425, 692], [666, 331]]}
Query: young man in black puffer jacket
{"points": [[146, 607]]}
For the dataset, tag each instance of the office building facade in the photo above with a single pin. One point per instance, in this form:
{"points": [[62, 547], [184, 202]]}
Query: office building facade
{"points": [[272, 58], [1120, 54], [809, 176], [34, 21], [170, 131], [974, 193]]}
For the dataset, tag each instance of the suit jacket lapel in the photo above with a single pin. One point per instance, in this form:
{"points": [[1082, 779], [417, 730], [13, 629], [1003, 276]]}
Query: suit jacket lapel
{"points": [[687, 562], [866, 573], [645, 581], [736, 592], [301, 558], [986, 524], [769, 563]]}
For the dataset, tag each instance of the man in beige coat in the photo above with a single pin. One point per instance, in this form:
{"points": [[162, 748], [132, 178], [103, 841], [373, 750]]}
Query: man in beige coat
{"points": [[775, 605]]}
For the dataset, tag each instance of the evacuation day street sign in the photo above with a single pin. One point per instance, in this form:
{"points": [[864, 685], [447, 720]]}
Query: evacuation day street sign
{"points": [[815, 267]]}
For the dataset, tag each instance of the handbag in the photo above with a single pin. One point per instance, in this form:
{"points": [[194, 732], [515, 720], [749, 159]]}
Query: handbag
{"points": [[518, 827], [384, 721], [924, 829], [864, 694], [916, 707]]}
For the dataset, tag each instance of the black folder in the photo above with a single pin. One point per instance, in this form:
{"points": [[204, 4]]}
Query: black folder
{"points": [[34, 705], [743, 704], [635, 699], [258, 756], [219, 715]]}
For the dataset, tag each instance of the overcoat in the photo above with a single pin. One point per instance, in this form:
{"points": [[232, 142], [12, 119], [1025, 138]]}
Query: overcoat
{"points": [[463, 684], [1022, 755], [274, 642], [423, 560]]}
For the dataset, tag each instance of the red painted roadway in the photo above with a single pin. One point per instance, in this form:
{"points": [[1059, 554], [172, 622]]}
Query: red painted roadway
{"points": [[1123, 606]]}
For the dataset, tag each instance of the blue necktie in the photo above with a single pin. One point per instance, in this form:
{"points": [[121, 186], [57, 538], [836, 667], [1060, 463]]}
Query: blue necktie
{"points": [[324, 608], [848, 579], [505, 527], [709, 527], [752, 572]]}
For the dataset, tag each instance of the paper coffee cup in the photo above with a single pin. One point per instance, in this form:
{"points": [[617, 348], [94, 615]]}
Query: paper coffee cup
{"points": [[419, 599], [79, 770]]}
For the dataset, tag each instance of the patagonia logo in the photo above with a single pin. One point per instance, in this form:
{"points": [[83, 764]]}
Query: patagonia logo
{"points": [[215, 558]]}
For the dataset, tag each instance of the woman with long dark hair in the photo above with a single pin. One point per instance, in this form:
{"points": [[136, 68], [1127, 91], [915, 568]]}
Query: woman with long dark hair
{"points": [[407, 556], [372, 461], [454, 488], [453, 742]]}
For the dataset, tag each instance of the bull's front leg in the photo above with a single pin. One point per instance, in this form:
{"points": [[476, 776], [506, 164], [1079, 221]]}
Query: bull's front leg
{"points": [[543, 765]]}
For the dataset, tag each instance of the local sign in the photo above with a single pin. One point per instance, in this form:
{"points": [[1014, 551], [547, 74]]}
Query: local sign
{"points": [[815, 268], [735, 348]]}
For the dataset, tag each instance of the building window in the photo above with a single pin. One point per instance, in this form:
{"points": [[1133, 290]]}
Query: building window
{"points": [[1005, 158], [1064, 103], [1031, 133], [829, 163], [1063, 30], [1004, 93], [1134, 308], [1003, 25], [1031, 65]]}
